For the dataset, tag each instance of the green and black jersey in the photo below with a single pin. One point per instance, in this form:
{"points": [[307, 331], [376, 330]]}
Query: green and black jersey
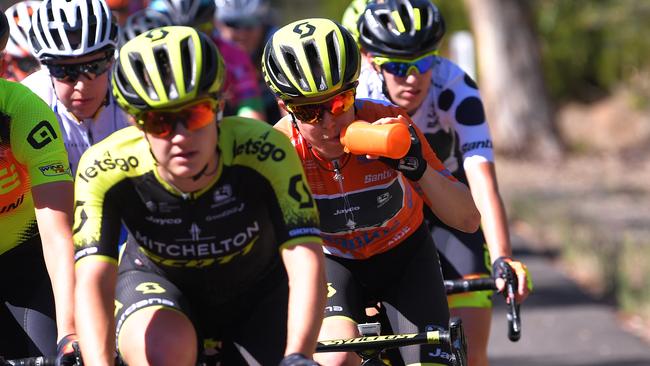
{"points": [[233, 229], [31, 153]]}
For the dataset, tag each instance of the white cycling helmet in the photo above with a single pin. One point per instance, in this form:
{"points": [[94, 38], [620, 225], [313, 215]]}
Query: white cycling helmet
{"points": [[19, 17], [70, 28]]}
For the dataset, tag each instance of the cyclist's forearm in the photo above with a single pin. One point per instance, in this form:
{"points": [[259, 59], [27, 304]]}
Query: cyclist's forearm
{"points": [[307, 296], [53, 210], [94, 294], [450, 201], [483, 183], [58, 254]]}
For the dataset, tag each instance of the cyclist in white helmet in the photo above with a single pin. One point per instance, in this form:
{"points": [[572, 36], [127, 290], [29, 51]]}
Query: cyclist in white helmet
{"points": [[76, 40], [17, 58]]}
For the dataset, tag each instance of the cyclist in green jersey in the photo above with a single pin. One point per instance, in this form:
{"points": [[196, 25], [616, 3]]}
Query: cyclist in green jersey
{"points": [[223, 240], [35, 214]]}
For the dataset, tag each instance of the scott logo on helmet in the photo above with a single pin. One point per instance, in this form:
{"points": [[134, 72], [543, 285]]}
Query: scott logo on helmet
{"points": [[156, 34], [305, 31]]}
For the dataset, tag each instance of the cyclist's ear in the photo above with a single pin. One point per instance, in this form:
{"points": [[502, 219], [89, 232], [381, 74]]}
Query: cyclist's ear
{"points": [[282, 105]]}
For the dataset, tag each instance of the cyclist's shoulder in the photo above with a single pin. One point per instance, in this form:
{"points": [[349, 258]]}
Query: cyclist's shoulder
{"points": [[446, 72], [370, 110], [123, 153], [252, 142], [23, 106], [40, 84]]}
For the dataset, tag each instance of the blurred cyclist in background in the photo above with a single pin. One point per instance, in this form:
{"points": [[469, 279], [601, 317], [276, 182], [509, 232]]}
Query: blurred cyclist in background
{"points": [[76, 40], [142, 21], [399, 39], [122, 9], [17, 58], [249, 24], [242, 94]]}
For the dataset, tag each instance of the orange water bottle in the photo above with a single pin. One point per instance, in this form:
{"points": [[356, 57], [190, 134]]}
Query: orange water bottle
{"points": [[391, 140]]}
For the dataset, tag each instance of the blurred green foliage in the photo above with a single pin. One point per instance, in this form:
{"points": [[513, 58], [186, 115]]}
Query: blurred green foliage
{"points": [[591, 47]]}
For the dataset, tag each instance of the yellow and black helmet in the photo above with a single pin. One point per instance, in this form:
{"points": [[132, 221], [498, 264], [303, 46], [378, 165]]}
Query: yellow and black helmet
{"points": [[310, 60], [167, 67]]}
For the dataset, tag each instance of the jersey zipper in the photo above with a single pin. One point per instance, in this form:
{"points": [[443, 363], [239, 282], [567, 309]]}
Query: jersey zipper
{"points": [[347, 207]]}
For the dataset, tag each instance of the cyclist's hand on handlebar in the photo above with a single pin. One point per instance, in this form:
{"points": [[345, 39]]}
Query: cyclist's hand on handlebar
{"points": [[66, 355], [297, 359], [524, 281]]}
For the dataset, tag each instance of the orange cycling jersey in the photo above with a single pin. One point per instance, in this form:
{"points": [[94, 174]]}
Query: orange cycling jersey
{"points": [[365, 206]]}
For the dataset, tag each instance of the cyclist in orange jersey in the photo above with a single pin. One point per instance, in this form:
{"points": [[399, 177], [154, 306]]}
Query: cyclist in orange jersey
{"points": [[377, 245]]}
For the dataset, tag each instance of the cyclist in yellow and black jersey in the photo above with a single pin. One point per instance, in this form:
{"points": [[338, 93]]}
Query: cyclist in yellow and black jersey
{"points": [[223, 232], [35, 196]]}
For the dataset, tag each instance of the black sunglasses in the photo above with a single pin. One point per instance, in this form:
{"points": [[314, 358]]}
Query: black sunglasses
{"points": [[72, 72]]}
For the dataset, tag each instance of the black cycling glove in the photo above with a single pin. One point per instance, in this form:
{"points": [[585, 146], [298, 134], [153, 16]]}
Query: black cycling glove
{"points": [[413, 165], [297, 359]]}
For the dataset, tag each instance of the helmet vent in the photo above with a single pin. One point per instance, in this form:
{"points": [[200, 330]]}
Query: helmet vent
{"points": [[406, 19], [334, 54], [315, 66], [187, 50], [275, 71], [292, 62], [143, 78], [165, 70], [209, 54]]}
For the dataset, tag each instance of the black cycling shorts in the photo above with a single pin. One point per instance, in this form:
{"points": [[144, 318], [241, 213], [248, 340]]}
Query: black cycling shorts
{"points": [[27, 316], [462, 255], [255, 323], [406, 280]]}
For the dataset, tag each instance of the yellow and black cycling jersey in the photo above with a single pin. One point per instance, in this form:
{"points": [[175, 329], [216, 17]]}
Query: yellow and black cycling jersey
{"points": [[31, 153], [258, 203]]}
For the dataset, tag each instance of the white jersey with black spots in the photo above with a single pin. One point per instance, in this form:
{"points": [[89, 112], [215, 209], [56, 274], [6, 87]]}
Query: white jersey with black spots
{"points": [[452, 115], [78, 135]]}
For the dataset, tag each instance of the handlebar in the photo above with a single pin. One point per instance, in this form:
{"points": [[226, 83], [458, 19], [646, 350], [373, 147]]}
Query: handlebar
{"points": [[31, 361], [489, 283]]}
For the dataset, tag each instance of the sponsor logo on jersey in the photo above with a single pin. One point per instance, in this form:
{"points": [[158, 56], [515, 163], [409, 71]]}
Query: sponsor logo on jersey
{"points": [[104, 165], [382, 199], [164, 221], [474, 145], [263, 149], [371, 178], [204, 250], [222, 193], [14, 205], [53, 170], [226, 213], [304, 231], [41, 135], [9, 179], [346, 210]]}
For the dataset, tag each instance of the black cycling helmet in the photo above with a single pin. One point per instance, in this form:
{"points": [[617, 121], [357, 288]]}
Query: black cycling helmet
{"points": [[4, 30], [401, 28]]}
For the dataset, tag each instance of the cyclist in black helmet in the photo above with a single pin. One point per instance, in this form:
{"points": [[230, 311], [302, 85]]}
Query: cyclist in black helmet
{"points": [[399, 39]]}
